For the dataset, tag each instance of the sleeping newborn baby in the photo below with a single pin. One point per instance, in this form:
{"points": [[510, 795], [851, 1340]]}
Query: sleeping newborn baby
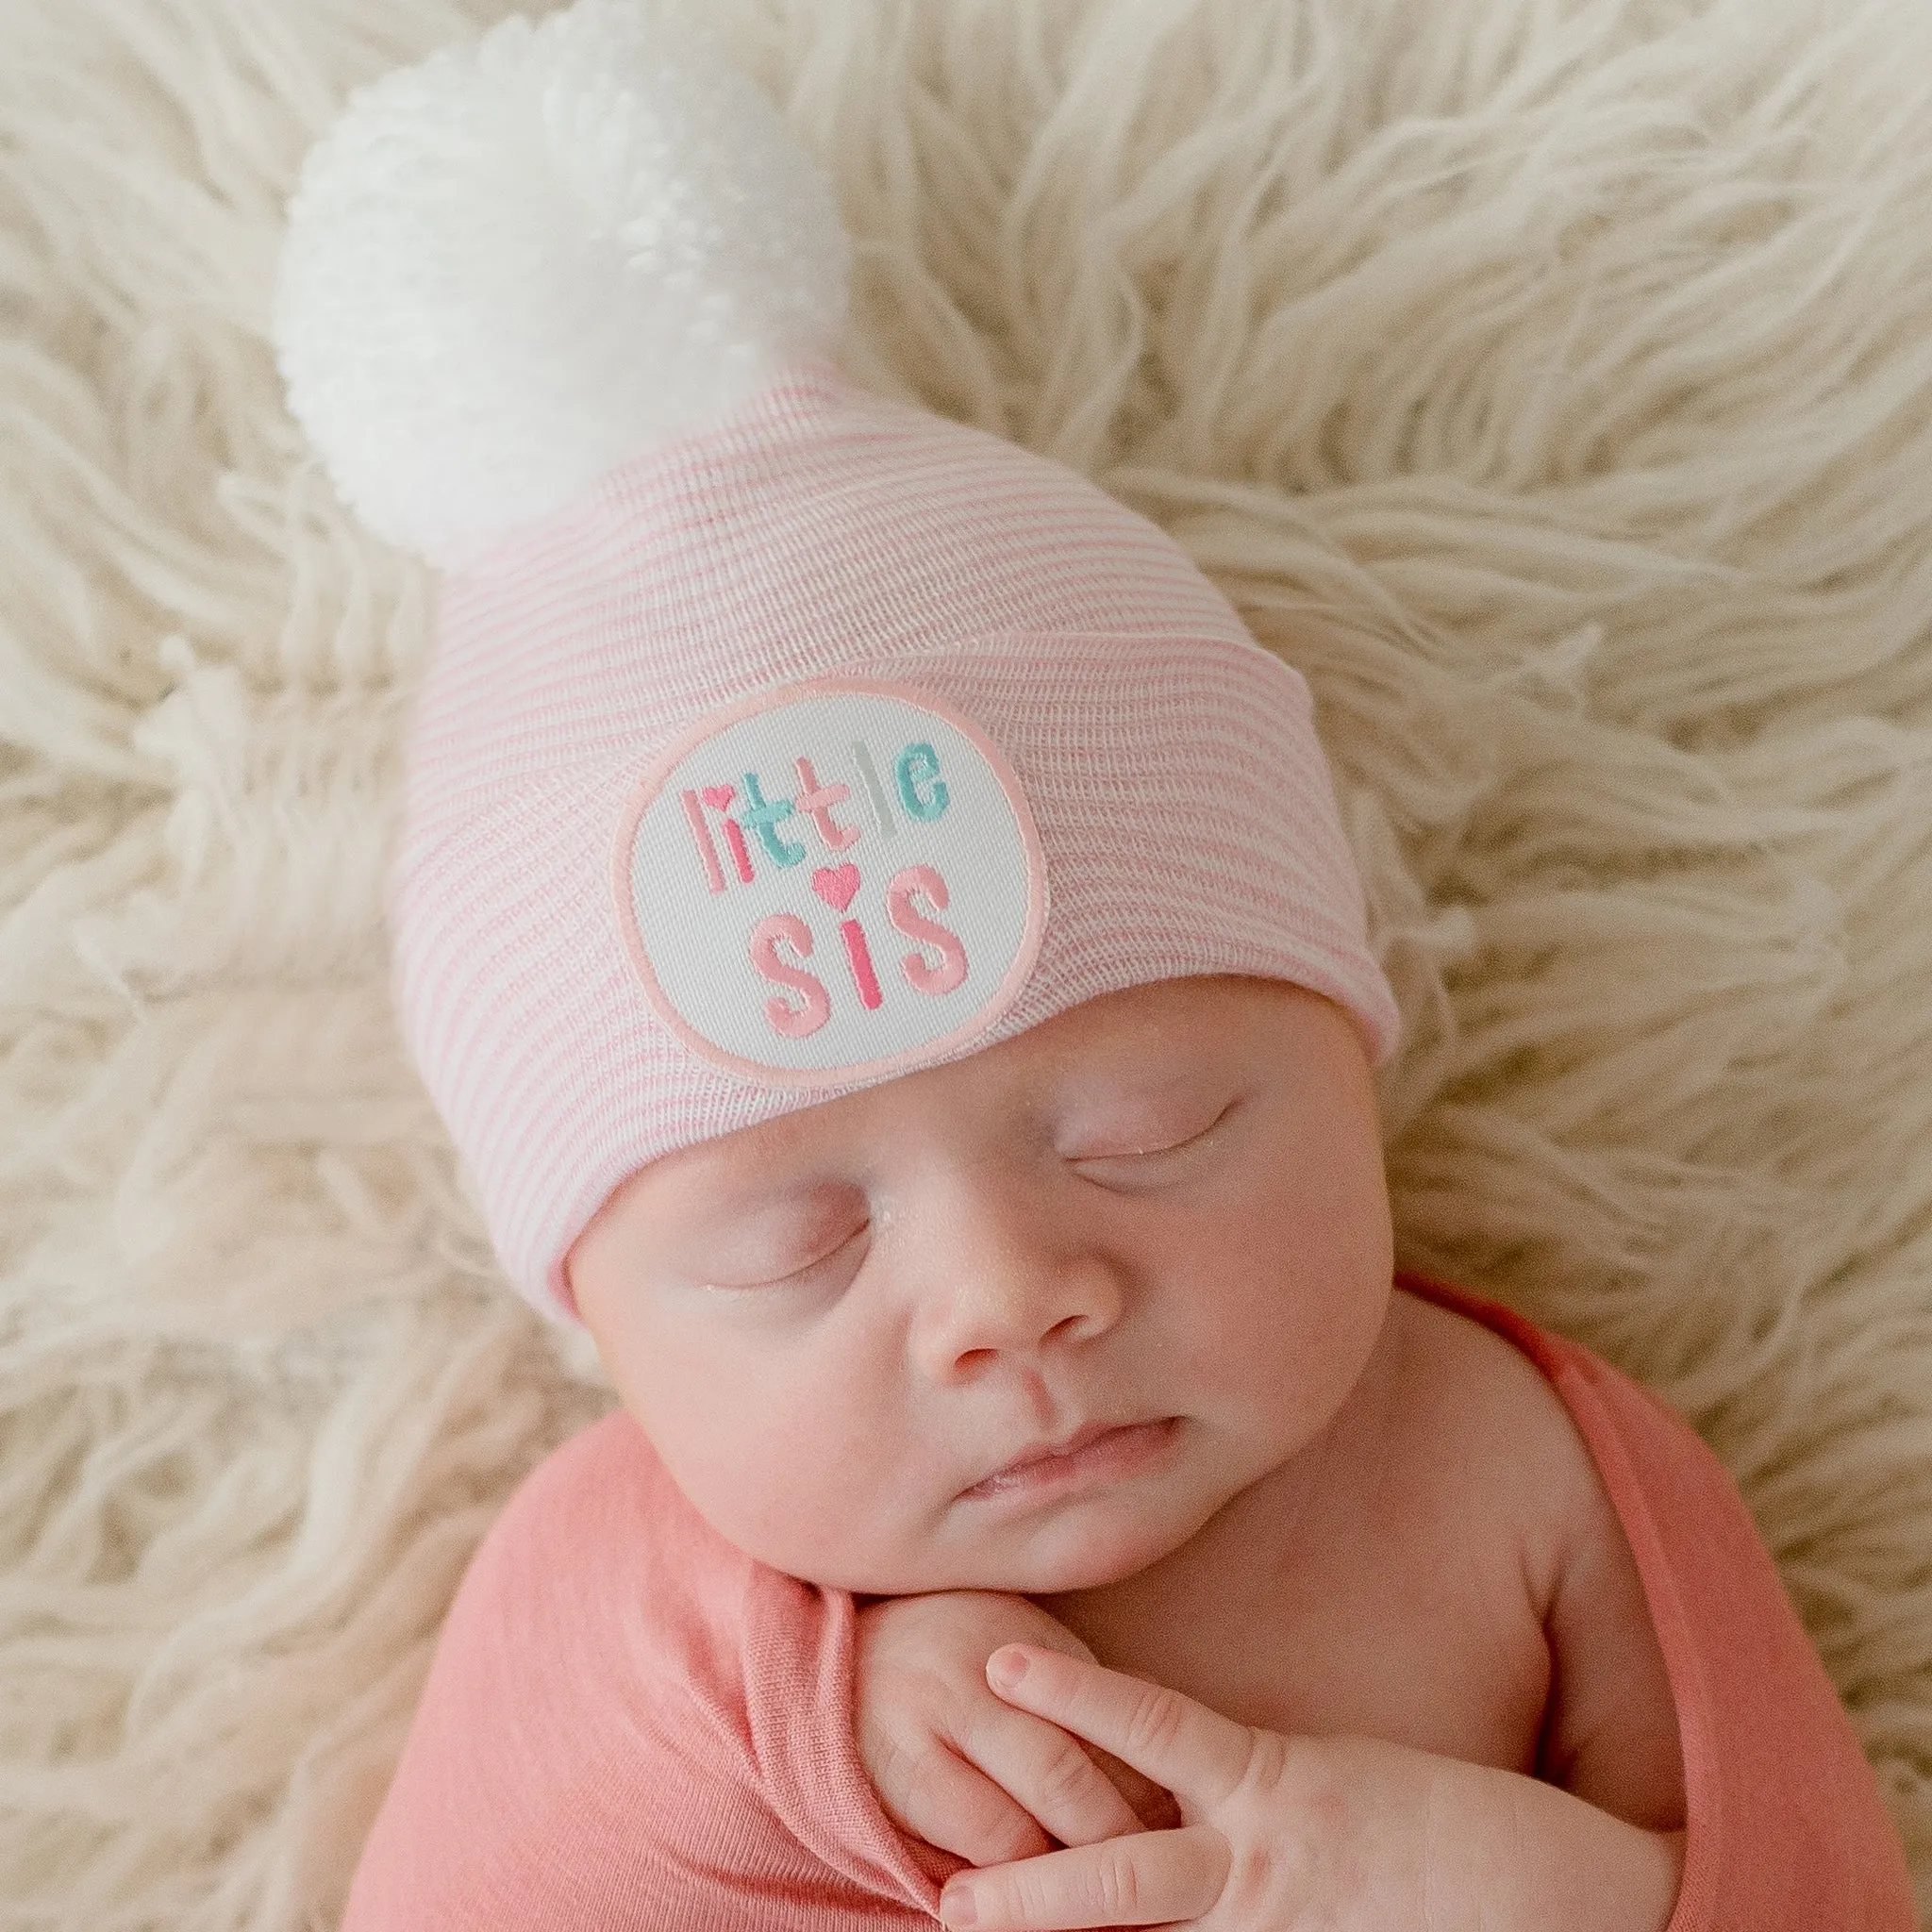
{"points": [[1091, 1336], [880, 933]]}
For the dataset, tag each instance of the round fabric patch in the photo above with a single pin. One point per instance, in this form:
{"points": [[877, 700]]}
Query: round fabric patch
{"points": [[830, 880]]}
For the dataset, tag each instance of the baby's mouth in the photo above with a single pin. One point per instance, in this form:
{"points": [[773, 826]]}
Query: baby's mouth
{"points": [[1098, 1451]]}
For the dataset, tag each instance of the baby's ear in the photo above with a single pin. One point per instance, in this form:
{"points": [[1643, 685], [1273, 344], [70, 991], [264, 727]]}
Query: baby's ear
{"points": [[533, 256], [571, 1273], [567, 1294]]}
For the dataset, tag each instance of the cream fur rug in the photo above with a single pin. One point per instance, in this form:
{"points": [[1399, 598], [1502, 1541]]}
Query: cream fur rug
{"points": [[1551, 378]]}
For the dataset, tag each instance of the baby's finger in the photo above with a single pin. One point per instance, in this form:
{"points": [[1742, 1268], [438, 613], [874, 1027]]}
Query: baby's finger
{"points": [[1149, 1801], [1195, 1753], [1152, 1879], [955, 1806], [1049, 1771]]}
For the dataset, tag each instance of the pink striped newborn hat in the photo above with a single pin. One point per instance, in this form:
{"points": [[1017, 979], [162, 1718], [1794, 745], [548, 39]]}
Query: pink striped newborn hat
{"points": [[778, 739]]}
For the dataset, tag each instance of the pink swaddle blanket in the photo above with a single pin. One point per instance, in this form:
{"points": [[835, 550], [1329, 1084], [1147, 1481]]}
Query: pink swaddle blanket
{"points": [[631, 1724]]}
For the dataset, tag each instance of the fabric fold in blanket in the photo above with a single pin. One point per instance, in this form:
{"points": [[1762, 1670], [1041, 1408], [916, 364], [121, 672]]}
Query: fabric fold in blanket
{"points": [[631, 1726]]}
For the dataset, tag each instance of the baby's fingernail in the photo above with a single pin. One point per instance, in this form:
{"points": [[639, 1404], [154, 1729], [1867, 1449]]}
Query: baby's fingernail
{"points": [[1007, 1667], [957, 1908]]}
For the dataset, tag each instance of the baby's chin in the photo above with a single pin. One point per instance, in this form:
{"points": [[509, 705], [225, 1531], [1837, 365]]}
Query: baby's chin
{"points": [[1054, 1560]]}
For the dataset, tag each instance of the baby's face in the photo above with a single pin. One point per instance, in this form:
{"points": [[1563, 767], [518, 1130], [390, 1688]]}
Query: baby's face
{"points": [[1161, 1212]]}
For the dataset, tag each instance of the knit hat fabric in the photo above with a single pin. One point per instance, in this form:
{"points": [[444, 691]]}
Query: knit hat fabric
{"points": [[818, 740]]}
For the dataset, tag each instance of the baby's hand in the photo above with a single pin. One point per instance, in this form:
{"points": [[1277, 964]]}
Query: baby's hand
{"points": [[959, 1767], [1295, 1833]]}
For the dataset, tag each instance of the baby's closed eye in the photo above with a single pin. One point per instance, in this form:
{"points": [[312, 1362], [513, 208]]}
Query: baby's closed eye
{"points": [[1149, 1151], [787, 1243]]}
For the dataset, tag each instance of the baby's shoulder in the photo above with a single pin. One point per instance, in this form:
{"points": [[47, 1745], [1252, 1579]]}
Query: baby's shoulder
{"points": [[1461, 1375], [585, 1495], [1609, 1733], [1485, 1421], [596, 1534]]}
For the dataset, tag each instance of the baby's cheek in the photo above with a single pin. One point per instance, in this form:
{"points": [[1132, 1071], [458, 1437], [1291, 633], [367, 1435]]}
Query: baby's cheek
{"points": [[723, 1447], [810, 1491]]}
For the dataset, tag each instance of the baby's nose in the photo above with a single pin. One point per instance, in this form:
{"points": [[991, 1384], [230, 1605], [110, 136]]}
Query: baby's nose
{"points": [[1000, 1273]]}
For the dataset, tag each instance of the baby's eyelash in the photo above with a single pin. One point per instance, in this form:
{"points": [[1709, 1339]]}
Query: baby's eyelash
{"points": [[793, 1275], [1167, 1147]]}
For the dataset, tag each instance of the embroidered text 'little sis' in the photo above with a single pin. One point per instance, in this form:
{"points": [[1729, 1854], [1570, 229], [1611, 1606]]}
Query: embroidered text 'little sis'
{"points": [[831, 879]]}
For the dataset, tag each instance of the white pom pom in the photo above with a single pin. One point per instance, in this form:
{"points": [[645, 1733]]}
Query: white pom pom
{"points": [[529, 259]]}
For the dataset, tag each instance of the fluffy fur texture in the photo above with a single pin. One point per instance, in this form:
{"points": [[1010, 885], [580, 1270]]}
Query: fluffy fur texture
{"points": [[1549, 378]]}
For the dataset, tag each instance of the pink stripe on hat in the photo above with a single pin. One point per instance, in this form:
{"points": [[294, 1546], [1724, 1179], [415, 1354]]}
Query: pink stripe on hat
{"points": [[1100, 773]]}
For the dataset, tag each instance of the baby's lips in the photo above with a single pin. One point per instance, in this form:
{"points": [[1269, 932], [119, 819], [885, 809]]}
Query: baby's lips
{"points": [[1064, 1445]]}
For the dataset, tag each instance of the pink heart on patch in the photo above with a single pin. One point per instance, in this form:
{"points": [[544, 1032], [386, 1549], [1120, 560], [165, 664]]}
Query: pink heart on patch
{"points": [[719, 796], [835, 885]]}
